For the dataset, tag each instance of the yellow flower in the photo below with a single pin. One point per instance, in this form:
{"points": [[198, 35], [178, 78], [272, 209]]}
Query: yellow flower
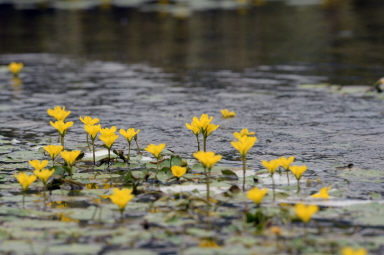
{"points": [[227, 114], [88, 121], [305, 212], [208, 243], [257, 195], [194, 126], [323, 193], [350, 251], [271, 166], [37, 165], [178, 171], [121, 197], [92, 131], [210, 129], [129, 134], [108, 131], [208, 159], [155, 150], [243, 132], [70, 156], [205, 124], [109, 139], [53, 150], [286, 162], [15, 68], [25, 180], [61, 126], [44, 174], [244, 144], [298, 171], [58, 113]]}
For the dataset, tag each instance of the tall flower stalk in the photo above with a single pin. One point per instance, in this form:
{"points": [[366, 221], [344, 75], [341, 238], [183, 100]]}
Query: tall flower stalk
{"points": [[271, 167], [88, 121], [155, 150], [298, 173], [92, 132], [243, 145], [108, 136]]}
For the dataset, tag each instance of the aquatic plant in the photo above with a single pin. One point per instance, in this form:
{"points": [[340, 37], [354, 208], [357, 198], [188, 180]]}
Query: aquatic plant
{"points": [[121, 197], [92, 132], [53, 151], [305, 212], [156, 150], [58, 113], [15, 68], [298, 173], [108, 137], [243, 132], [285, 163], [38, 165], [257, 195], [243, 145], [62, 129], [206, 127], [208, 160], [178, 171], [44, 175], [351, 251], [196, 129], [70, 158], [323, 193], [225, 114], [129, 134], [271, 167], [88, 121], [25, 180]]}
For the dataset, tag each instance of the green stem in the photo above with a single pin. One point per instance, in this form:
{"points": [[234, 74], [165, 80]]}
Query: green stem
{"points": [[62, 141], [207, 180], [205, 143], [93, 151], [298, 186], [70, 171], [244, 170], [287, 176], [198, 142], [109, 156], [157, 168], [23, 198], [273, 188], [129, 152], [137, 144]]}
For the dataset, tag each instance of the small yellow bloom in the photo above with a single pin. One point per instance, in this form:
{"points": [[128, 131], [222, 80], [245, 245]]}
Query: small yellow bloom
{"points": [[271, 165], [44, 174], [70, 156], [243, 132], [88, 121], [194, 126], [286, 162], [305, 212], [275, 230], [53, 150], [210, 129], [121, 197], [208, 159], [351, 251], [178, 171], [227, 114], [25, 180], [15, 68], [205, 124], [108, 131], [61, 126], [109, 139], [244, 144], [92, 131], [323, 193], [155, 150], [208, 243], [298, 171], [37, 165], [58, 113], [129, 134], [257, 195]]}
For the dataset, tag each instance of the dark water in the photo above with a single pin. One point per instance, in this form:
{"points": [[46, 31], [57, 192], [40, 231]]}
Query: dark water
{"points": [[152, 71]]}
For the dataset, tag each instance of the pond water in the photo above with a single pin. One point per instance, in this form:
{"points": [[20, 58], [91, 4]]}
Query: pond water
{"points": [[154, 70]]}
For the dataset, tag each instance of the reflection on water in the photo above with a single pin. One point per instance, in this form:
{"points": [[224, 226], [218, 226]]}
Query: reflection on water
{"points": [[340, 38]]}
